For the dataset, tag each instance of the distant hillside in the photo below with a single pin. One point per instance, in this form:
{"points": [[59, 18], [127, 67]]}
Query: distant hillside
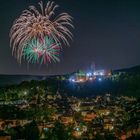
{"points": [[135, 69], [17, 79]]}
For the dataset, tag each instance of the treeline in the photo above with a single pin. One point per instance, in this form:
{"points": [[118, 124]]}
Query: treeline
{"points": [[127, 84]]}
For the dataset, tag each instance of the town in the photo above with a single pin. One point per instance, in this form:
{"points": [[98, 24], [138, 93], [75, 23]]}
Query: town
{"points": [[50, 114]]}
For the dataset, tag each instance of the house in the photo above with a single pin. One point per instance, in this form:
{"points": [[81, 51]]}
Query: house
{"points": [[4, 136]]}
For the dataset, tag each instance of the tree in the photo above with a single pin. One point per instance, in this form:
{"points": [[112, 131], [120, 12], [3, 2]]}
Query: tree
{"points": [[60, 133], [31, 131]]}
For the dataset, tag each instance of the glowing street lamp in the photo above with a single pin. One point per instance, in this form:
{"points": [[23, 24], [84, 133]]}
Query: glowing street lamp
{"points": [[25, 92], [89, 74], [99, 79]]}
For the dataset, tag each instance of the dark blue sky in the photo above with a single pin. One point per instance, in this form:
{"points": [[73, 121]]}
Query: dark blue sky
{"points": [[106, 32]]}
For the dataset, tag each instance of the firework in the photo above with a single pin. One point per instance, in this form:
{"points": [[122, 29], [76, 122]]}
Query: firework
{"points": [[38, 52], [30, 30]]}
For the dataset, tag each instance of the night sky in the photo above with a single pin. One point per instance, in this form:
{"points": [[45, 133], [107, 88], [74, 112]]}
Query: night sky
{"points": [[107, 33]]}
